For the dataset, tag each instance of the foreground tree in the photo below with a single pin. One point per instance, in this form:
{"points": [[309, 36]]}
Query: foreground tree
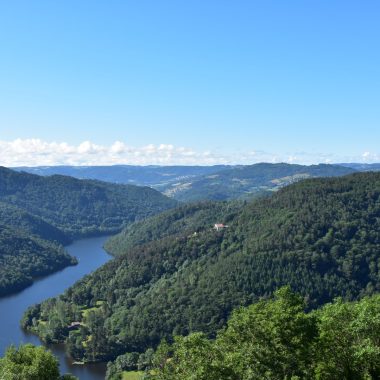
{"points": [[29, 362], [348, 346], [277, 340], [268, 340]]}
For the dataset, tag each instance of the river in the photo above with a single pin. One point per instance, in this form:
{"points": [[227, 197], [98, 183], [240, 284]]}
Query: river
{"points": [[91, 255]]}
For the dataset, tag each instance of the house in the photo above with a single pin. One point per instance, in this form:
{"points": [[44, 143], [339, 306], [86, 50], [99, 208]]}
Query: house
{"points": [[219, 226], [74, 326]]}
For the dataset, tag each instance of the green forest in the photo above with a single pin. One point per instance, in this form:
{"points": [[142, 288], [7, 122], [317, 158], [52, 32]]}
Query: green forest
{"points": [[189, 190], [276, 339], [17, 218], [184, 220], [38, 215], [319, 236], [29, 362], [24, 257], [80, 207]]}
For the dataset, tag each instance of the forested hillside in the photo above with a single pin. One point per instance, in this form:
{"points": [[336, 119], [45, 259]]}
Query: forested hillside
{"points": [[80, 207], [187, 219], [320, 236], [15, 217], [40, 214], [276, 339], [24, 257]]}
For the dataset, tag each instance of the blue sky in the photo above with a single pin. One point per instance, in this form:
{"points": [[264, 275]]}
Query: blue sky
{"points": [[232, 81]]}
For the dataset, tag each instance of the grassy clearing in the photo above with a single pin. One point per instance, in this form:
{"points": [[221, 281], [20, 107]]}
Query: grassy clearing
{"points": [[85, 310], [132, 375]]}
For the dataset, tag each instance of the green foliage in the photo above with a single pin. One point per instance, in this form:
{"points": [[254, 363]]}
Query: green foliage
{"points": [[273, 337], [30, 363], [37, 214], [80, 207], [348, 346], [24, 256], [185, 220], [278, 340], [320, 236], [19, 219], [192, 357], [126, 366]]}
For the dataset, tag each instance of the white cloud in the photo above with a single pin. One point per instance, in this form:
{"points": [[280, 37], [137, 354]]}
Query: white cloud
{"points": [[118, 147], [87, 147], [34, 152], [368, 157]]}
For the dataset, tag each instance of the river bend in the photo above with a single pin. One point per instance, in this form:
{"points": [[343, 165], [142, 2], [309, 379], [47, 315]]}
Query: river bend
{"points": [[90, 255]]}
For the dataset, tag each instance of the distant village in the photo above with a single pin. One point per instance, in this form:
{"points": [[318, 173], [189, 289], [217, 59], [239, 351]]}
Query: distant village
{"points": [[219, 226]]}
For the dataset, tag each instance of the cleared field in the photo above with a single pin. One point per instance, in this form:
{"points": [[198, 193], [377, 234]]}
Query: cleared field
{"points": [[132, 375]]}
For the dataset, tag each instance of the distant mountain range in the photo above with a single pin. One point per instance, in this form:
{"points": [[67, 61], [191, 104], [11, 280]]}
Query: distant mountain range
{"points": [[153, 176], [363, 167], [193, 183], [249, 181]]}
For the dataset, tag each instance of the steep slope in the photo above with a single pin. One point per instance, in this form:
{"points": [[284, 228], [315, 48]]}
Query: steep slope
{"points": [[29, 247], [80, 207], [17, 218], [24, 257], [40, 214], [321, 236], [247, 181], [185, 220]]}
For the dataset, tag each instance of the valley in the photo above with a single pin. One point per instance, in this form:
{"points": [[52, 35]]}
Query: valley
{"points": [[189, 190], [38, 215], [90, 256], [173, 274]]}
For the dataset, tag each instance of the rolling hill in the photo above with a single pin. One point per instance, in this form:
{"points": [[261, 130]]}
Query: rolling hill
{"points": [[38, 215], [249, 181], [320, 236], [80, 207], [194, 183], [363, 167], [153, 176], [24, 257], [19, 219]]}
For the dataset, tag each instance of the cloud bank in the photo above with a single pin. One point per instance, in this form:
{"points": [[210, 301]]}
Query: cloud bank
{"points": [[36, 152]]}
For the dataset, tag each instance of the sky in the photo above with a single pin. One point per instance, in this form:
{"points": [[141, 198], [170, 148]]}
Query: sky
{"points": [[189, 82]]}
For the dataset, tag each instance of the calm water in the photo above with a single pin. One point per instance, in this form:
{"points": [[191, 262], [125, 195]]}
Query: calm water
{"points": [[90, 255]]}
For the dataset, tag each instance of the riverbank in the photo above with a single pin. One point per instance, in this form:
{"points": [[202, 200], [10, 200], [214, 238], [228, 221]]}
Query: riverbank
{"points": [[90, 255]]}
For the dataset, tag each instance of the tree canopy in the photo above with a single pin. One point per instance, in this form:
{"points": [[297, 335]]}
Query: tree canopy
{"points": [[29, 362], [276, 340], [320, 236], [40, 214]]}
